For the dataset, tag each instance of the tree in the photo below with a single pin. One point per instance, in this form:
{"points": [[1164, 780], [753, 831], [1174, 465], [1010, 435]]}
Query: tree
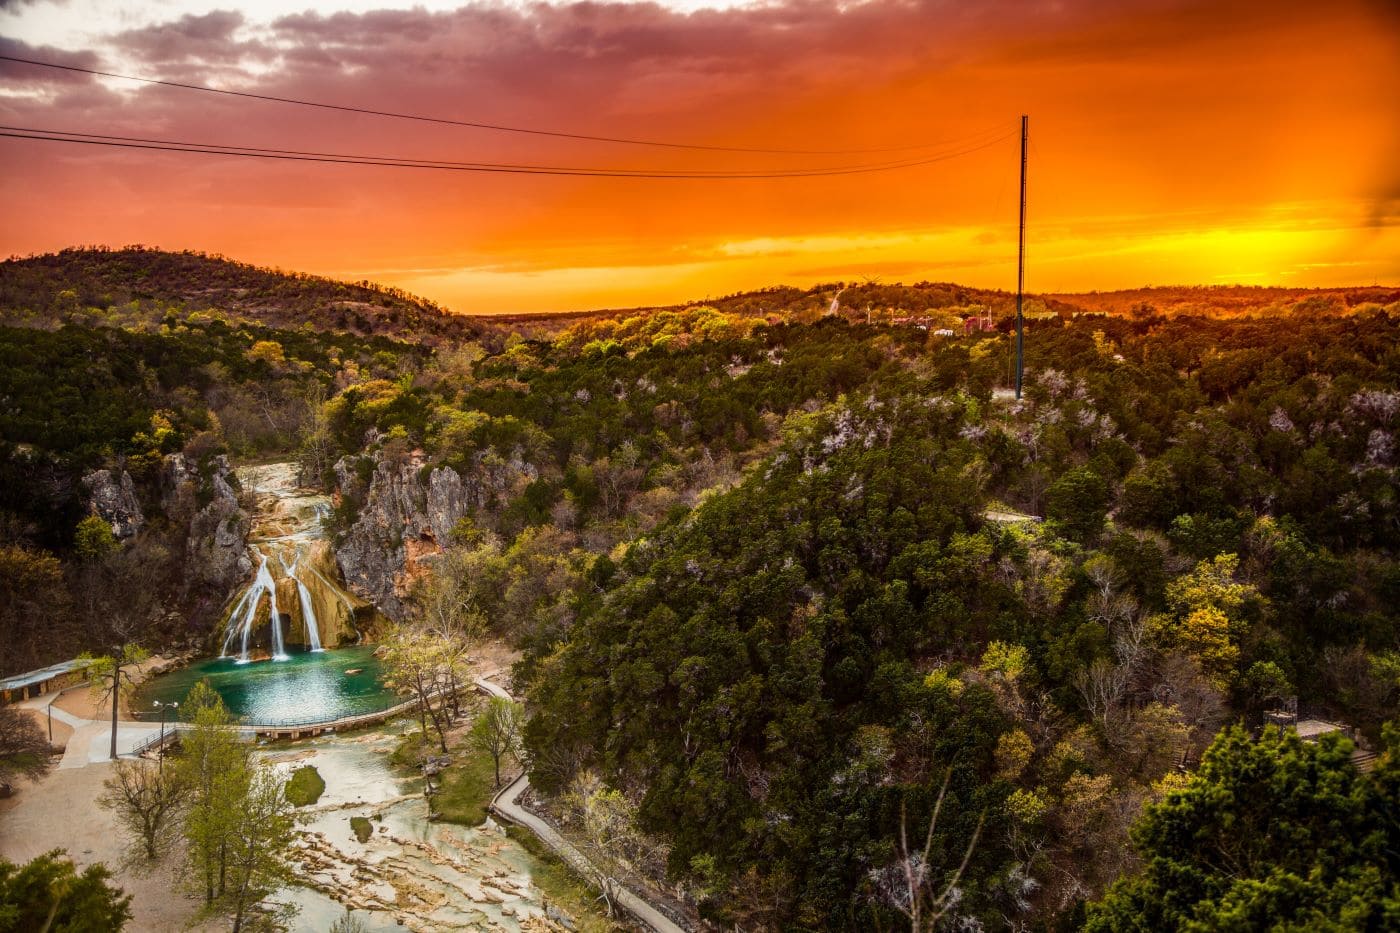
{"points": [[496, 731], [111, 679], [1078, 502], [449, 608], [916, 886], [610, 837], [48, 893], [215, 765], [1273, 833], [93, 539], [147, 801], [1209, 613], [262, 835], [423, 664], [31, 590], [24, 750]]}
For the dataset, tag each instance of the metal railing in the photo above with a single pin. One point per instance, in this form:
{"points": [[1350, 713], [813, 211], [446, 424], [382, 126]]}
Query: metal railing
{"points": [[386, 709]]}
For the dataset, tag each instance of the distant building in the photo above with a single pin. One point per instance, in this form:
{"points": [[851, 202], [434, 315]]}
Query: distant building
{"points": [[979, 324], [44, 680]]}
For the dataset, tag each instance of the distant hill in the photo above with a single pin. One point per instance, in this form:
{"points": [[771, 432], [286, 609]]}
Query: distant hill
{"points": [[929, 301], [139, 283], [58, 287], [1230, 300]]}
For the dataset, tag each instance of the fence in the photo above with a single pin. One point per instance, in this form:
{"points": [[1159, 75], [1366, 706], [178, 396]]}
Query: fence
{"points": [[303, 728]]}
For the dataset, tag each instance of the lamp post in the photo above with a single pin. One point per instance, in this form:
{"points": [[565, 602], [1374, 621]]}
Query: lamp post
{"points": [[160, 746]]}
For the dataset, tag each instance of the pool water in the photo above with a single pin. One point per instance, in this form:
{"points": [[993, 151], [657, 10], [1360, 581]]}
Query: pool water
{"points": [[306, 687]]}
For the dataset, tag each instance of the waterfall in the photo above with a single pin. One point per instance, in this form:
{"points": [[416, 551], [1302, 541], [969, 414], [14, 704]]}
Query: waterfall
{"points": [[240, 623], [308, 609], [288, 548]]}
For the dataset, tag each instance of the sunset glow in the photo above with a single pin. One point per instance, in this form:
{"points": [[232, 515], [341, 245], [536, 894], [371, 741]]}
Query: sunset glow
{"points": [[1172, 142]]}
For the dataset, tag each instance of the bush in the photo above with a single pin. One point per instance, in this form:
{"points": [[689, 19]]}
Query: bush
{"points": [[305, 787]]}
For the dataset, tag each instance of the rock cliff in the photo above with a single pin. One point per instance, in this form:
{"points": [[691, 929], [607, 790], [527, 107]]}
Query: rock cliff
{"points": [[216, 553], [407, 511], [112, 497]]}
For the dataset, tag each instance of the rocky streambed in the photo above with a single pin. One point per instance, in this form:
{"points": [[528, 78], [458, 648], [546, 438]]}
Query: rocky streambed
{"points": [[407, 872]]}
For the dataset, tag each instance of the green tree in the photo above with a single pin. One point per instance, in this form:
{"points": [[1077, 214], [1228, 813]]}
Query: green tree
{"points": [[31, 588], [1078, 502], [93, 539], [1273, 833], [263, 832], [216, 767], [496, 731], [48, 894], [425, 665]]}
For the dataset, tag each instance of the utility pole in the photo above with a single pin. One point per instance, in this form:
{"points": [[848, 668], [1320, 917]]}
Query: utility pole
{"points": [[1021, 265]]}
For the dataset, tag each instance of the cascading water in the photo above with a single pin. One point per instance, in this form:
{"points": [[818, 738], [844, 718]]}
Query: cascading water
{"points": [[245, 613], [308, 608], [287, 545]]}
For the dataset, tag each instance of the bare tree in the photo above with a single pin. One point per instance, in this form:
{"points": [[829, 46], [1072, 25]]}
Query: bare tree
{"points": [[24, 751], [420, 663], [147, 801], [610, 838], [112, 679]]}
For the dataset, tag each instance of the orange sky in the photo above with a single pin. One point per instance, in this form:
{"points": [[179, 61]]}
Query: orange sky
{"points": [[1173, 143]]}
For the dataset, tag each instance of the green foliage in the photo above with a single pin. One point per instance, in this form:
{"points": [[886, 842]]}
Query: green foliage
{"points": [[1078, 502], [93, 539], [31, 587], [1268, 834], [464, 790], [769, 628], [48, 893], [496, 732], [305, 786]]}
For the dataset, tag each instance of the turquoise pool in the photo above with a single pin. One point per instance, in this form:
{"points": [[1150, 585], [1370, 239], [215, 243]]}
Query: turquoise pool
{"points": [[306, 687]]}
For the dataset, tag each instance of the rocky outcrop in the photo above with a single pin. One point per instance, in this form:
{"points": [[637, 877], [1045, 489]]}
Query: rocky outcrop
{"points": [[216, 553], [112, 497], [407, 513]]}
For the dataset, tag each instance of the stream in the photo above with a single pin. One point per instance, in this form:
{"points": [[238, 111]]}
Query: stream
{"points": [[411, 873]]}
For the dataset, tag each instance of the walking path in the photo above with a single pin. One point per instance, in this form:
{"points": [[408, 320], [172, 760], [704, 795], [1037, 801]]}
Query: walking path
{"points": [[91, 741], [506, 804]]}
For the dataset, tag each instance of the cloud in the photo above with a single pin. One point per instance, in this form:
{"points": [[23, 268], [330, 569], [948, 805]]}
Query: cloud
{"points": [[1148, 117]]}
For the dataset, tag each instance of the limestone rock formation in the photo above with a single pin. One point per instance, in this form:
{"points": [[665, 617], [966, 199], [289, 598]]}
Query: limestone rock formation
{"points": [[407, 513], [216, 553], [112, 496]]}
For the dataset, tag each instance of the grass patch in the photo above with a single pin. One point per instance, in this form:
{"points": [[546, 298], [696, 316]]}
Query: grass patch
{"points": [[361, 827], [465, 789], [305, 787], [562, 885], [409, 752]]}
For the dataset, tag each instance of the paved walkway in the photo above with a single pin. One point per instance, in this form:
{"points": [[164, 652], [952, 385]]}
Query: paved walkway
{"points": [[506, 804], [91, 741]]}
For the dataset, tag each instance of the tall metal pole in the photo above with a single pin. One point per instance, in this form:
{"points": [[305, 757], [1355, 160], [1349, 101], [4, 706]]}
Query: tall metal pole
{"points": [[1021, 265]]}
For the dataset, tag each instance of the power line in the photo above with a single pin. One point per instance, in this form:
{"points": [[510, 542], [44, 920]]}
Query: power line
{"points": [[473, 124], [361, 157], [129, 142]]}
